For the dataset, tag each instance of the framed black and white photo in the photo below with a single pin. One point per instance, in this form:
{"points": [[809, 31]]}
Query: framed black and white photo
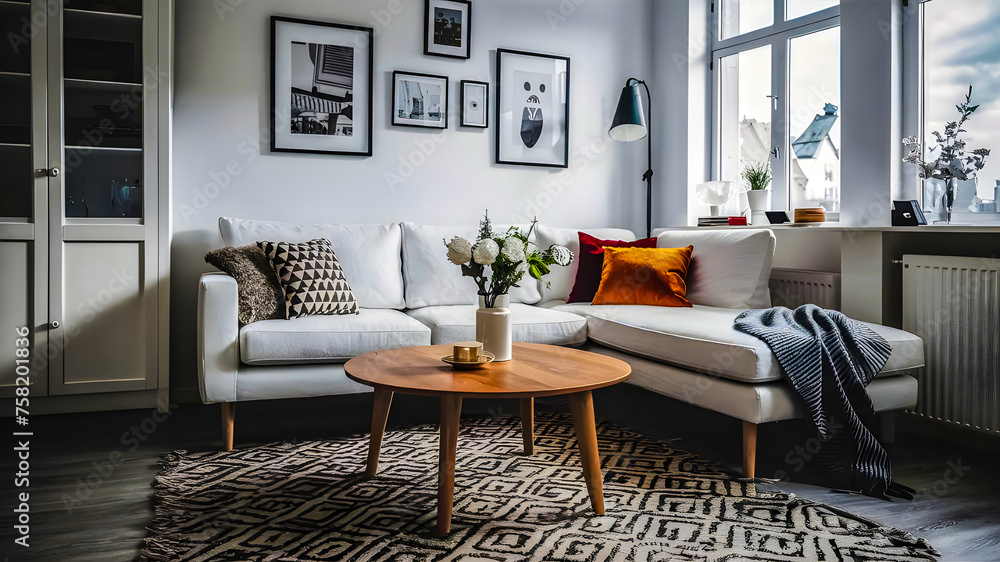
{"points": [[321, 87], [419, 100], [447, 28], [532, 116], [475, 104]]}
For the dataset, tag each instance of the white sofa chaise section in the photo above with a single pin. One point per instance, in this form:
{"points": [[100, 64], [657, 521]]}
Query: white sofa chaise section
{"points": [[410, 295]]}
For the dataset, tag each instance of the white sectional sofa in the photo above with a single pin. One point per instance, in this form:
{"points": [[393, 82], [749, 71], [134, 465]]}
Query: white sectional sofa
{"points": [[410, 295]]}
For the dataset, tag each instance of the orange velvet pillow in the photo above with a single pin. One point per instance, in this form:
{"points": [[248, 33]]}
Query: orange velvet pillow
{"points": [[652, 276]]}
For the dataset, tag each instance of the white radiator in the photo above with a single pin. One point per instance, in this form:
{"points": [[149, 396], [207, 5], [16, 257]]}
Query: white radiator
{"points": [[795, 287], [954, 305]]}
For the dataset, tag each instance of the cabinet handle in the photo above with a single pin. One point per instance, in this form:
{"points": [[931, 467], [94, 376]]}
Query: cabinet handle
{"points": [[52, 172], [54, 324]]}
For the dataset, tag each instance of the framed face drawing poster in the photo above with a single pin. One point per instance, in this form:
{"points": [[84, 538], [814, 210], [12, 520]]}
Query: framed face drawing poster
{"points": [[532, 113], [321, 87]]}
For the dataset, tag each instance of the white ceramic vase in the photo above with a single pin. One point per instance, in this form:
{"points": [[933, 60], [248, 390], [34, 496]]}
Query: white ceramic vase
{"points": [[493, 327], [760, 201]]}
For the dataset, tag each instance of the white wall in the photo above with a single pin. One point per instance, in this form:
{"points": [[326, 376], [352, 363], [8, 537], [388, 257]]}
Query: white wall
{"points": [[871, 70], [222, 166], [681, 125]]}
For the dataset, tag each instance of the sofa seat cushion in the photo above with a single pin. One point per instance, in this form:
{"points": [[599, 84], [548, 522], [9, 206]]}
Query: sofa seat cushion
{"points": [[329, 339], [702, 339], [531, 324]]}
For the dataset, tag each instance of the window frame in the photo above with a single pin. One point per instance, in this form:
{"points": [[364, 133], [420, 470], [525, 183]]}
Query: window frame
{"points": [[911, 187], [914, 113], [777, 36]]}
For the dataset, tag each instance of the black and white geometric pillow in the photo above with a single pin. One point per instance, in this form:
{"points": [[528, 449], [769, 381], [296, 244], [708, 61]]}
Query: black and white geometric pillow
{"points": [[311, 277]]}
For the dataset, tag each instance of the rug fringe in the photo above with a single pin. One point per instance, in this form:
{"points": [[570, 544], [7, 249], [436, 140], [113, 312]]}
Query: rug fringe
{"points": [[158, 547]]}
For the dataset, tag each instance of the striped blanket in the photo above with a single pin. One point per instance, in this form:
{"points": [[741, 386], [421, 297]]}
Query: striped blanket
{"points": [[829, 359]]}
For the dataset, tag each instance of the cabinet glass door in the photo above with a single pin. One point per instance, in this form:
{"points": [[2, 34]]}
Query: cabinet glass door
{"points": [[15, 113], [103, 258], [23, 199], [103, 105]]}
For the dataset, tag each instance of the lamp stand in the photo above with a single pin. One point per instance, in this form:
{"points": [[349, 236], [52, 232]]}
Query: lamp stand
{"points": [[648, 175]]}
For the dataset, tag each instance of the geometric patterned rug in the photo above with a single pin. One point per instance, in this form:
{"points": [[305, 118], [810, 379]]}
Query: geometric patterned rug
{"points": [[309, 501]]}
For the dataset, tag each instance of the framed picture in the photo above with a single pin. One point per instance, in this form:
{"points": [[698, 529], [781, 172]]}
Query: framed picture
{"points": [[532, 109], [475, 104], [321, 87], [447, 28], [419, 100]]}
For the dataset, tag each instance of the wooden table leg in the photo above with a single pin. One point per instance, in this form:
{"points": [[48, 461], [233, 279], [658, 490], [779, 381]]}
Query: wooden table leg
{"points": [[582, 406], [380, 413], [528, 424], [451, 411]]}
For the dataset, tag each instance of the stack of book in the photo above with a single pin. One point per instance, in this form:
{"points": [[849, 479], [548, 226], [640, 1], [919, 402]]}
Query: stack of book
{"points": [[722, 221]]}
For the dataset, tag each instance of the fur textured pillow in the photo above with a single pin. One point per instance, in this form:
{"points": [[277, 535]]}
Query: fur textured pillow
{"points": [[311, 277], [260, 295]]}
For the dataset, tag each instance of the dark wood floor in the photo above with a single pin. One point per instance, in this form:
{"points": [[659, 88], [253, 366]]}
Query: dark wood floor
{"points": [[91, 473]]}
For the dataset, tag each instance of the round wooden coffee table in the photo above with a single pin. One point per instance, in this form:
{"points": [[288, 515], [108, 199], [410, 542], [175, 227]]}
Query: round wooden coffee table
{"points": [[535, 370]]}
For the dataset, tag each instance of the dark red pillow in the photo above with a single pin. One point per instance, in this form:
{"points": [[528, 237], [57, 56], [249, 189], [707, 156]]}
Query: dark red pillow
{"points": [[590, 262]]}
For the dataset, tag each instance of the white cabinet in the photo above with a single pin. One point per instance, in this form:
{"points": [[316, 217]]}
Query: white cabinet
{"points": [[84, 199]]}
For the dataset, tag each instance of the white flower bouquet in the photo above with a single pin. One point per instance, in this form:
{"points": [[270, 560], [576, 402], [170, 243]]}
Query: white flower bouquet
{"points": [[509, 256]]}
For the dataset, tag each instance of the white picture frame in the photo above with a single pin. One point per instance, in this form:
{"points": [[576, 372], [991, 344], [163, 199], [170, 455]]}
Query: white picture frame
{"points": [[475, 101]]}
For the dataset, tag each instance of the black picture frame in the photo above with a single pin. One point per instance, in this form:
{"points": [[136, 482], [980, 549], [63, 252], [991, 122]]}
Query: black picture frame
{"points": [[486, 104], [434, 49], [399, 121], [503, 130], [287, 140]]}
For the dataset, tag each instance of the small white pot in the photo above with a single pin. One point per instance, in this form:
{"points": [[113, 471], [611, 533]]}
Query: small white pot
{"points": [[760, 201], [493, 327]]}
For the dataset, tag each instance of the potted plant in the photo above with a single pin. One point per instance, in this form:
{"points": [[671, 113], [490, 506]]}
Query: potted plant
{"points": [[757, 175], [952, 163], [508, 257]]}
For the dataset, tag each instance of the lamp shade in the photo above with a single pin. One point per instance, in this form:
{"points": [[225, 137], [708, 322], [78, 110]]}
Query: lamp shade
{"points": [[629, 123]]}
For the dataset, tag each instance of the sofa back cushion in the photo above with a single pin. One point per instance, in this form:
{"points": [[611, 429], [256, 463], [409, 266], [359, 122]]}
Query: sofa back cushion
{"points": [[432, 280], [561, 279], [368, 253], [729, 268]]}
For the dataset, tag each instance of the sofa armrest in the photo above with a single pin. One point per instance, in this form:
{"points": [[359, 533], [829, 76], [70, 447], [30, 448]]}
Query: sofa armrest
{"points": [[218, 337]]}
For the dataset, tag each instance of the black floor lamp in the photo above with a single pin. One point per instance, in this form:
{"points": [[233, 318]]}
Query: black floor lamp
{"points": [[629, 125]]}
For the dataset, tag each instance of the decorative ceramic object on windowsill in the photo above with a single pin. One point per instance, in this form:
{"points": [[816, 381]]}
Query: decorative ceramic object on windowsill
{"points": [[952, 163], [715, 194], [757, 175], [508, 256]]}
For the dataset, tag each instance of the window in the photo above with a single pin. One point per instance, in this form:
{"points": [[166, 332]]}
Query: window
{"points": [[777, 98], [961, 47]]}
